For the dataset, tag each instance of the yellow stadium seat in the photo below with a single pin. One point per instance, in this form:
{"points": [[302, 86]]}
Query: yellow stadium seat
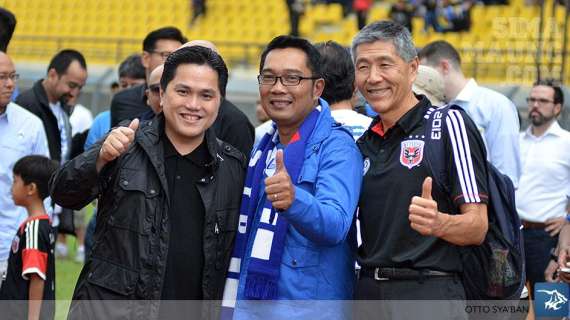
{"points": [[501, 37]]}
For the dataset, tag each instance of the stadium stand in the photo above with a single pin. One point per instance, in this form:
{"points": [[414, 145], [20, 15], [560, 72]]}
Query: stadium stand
{"points": [[500, 47]]}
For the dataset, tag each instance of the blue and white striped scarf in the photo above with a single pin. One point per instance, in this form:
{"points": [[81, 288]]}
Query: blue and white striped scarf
{"points": [[269, 236]]}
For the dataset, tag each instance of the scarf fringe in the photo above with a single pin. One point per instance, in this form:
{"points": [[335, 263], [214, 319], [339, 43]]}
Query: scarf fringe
{"points": [[260, 287]]}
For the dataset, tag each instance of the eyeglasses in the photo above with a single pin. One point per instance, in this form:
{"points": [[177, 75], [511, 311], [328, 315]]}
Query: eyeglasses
{"points": [[154, 88], [286, 80], [162, 54], [12, 76], [540, 101]]}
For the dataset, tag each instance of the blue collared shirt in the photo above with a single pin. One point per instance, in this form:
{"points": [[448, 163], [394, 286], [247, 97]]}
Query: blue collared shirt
{"points": [[22, 134], [497, 119]]}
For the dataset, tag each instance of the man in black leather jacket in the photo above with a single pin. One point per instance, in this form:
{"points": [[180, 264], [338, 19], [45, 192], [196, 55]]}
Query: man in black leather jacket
{"points": [[169, 195]]}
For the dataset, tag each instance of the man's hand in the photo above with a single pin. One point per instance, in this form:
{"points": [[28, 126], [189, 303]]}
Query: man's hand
{"points": [[424, 216], [554, 225], [116, 143], [550, 274], [279, 188], [563, 260]]}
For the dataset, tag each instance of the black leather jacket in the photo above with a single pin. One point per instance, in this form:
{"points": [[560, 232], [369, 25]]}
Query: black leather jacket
{"points": [[128, 260]]}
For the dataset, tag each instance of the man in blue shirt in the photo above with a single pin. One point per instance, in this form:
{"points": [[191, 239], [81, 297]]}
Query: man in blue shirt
{"points": [[494, 114], [22, 134], [296, 236]]}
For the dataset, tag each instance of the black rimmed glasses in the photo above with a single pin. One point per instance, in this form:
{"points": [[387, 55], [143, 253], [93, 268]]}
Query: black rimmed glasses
{"points": [[531, 101], [286, 80], [12, 76]]}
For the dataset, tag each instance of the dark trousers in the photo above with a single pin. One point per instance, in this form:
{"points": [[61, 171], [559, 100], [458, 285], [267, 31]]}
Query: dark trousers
{"points": [[537, 246], [410, 299]]}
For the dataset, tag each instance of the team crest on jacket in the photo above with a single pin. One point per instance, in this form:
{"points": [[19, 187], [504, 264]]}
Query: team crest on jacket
{"points": [[15, 244], [411, 153]]}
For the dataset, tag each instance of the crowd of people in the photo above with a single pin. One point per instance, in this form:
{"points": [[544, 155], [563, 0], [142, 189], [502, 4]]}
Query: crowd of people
{"points": [[438, 15], [331, 198]]}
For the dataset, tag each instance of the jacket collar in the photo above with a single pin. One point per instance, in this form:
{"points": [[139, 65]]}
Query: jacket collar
{"points": [[323, 127], [408, 122], [41, 94], [466, 94]]}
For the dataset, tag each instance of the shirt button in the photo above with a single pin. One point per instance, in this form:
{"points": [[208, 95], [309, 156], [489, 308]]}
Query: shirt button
{"points": [[152, 191], [125, 182], [178, 177], [381, 150], [294, 262]]}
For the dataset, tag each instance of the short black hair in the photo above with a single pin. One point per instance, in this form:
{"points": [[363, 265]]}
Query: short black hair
{"points": [[195, 55], [132, 67], [36, 169], [166, 33], [61, 61], [7, 27], [555, 85], [338, 72], [434, 52], [282, 42]]}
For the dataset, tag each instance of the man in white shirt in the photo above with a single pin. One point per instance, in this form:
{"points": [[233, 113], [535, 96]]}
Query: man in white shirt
{"points": [[48, 99], [338, 72], [494, 114], [544, 188], [22, 134]]}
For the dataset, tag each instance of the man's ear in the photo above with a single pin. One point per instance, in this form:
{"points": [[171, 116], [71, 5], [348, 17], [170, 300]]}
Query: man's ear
{"points": [[318, 87], [52, 74], [31, 189], [414, 66], [445, 66], [557, 110], [145, 59]]}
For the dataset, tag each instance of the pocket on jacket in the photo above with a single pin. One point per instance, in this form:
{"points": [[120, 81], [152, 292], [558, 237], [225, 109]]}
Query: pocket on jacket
{"points": [[301, 271], [112, 277], [138, 201]]}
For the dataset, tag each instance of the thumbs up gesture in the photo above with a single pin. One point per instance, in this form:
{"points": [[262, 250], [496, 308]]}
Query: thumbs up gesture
{"points": [[116, 143], [424, 216], [279, 188]]}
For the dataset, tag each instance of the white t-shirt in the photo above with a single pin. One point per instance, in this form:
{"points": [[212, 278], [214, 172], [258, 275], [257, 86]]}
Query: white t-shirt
{"points": [[81, 119], [61, 119], [352, 120]]}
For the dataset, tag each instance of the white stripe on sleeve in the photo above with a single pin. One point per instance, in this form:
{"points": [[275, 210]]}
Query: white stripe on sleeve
{"points": [[462, 156]]}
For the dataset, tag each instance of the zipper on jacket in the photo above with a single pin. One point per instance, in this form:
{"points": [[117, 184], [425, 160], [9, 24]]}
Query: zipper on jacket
{"points": [[216, 229]]}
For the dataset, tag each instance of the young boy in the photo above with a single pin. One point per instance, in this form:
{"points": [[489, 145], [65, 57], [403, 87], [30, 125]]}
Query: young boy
{"points": [[30, 277]]}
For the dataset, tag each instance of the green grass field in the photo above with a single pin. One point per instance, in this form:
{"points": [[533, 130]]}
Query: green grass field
{"points": [[67, 271]]}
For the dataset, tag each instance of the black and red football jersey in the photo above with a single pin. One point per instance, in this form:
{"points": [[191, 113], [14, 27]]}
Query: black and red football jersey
{"points": [[32, 252]]}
